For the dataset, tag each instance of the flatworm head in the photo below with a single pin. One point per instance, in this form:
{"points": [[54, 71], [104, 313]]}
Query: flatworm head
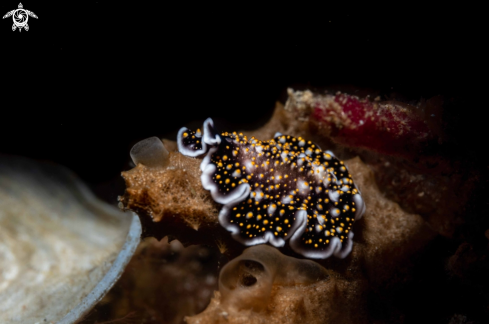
{"points": [[286, 188]]}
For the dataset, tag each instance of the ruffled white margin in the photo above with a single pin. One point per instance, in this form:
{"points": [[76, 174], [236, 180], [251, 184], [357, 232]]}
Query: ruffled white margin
{"points": [[359, 205], [239, 194], [242, 192], [340, 250], [185, 151]]}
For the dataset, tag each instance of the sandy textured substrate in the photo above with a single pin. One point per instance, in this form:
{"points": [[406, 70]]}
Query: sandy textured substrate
{"points": [[397, 264]]}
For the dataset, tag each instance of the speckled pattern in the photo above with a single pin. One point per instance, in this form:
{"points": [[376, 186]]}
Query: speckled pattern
{"points": [[272, 191]]}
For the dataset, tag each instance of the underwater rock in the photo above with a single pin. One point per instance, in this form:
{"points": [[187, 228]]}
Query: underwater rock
{"points": [[61, 249]]}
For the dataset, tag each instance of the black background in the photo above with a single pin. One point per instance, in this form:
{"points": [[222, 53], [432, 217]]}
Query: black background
{"points": [[91, 78]]}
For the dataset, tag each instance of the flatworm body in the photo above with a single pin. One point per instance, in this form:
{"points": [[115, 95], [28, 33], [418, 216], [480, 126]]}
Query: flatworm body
{"points": [[286, 188]]}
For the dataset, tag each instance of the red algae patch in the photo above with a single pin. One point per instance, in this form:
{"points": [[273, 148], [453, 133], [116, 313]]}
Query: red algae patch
{"points": [[383, 127]]}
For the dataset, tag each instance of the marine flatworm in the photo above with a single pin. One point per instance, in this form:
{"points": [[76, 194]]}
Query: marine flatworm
{"points": [[286, 188]]}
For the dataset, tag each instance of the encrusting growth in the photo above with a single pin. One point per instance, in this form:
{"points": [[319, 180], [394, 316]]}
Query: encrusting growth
{"points": [[179, 199], [170, 201], [388, 127]]}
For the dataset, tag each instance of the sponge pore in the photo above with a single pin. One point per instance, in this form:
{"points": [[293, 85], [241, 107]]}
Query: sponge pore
{"points": [[246, 282]]}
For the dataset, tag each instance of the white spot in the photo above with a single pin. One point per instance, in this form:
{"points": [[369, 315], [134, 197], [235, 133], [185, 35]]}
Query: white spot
{"points": [[335, 212], [283, 155], [259, 148], [338, 182], [271, 209], [277, 177], [320, 219], [333, 195], [258, 195], [333, 177], [236, 173], [282, 139], [318, 228], [248, 165], [286, 199], [345, 188], [303, 186], [302, 143], [330, 153], [309, 152], [339, 229], [319, 172], [277, 134], [327, 181]]}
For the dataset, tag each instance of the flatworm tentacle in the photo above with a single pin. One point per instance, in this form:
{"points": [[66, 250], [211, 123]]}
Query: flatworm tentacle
{"points": [[283, 189], [211, 137], [190, 143]]}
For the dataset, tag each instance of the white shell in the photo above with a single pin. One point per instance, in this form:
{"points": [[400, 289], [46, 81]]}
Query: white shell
{"points": [[61, 249]]}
